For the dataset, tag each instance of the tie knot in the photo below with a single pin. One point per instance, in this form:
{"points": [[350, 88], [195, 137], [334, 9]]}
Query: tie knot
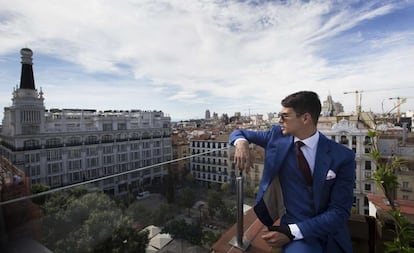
{"points": [[299, 144]]}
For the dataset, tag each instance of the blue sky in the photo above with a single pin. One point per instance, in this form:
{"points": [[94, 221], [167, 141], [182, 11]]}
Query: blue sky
{"points": [[183, 57]]}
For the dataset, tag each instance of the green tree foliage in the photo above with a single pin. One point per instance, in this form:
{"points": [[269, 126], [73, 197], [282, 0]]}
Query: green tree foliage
{"points": [[124, 239], [77, 221], [386, 178], [179, 229], [139, 213], [209, 237], [161, 215], [215, 202], [168, 189], [228, 214], [225, 187], [189, 178], [187, 199], [38, 188]]}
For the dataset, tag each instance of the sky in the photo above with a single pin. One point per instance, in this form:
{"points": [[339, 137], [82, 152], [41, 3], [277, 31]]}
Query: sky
{"points": [[186, 56]]}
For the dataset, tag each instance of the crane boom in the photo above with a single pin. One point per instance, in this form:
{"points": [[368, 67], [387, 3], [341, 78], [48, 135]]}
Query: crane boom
{"points": [[400, 101], [358, 98]]}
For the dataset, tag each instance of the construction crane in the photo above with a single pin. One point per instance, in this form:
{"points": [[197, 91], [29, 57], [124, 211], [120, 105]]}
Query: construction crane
{"points": [[400, 101], [358, 98]]}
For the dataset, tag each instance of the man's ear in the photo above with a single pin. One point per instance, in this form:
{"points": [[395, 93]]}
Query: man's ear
{"points": [[306, 117]]}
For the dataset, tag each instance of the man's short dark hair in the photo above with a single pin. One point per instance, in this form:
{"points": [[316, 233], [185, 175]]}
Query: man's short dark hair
{"points": [[304, 102]]}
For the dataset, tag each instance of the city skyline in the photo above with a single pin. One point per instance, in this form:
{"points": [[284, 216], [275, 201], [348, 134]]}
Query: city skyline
{"points": [[183, 57]]}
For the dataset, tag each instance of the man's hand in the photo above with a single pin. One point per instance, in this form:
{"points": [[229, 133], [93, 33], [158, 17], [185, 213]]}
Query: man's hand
{"points": [[242, 155], [275, 239]]}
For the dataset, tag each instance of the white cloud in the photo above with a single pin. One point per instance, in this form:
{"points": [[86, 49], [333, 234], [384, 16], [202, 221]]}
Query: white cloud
{"points": [[205, 51]]}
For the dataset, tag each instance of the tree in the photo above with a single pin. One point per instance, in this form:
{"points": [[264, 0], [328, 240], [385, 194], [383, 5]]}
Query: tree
{"points": [[124, 239], [225, 187], [77, 221], [228, 213], [189, 178], [215, 202], [188, 199], [38, 188], [139, 213], [386, 179], [179, 229], [161, 215], [209, 237]]}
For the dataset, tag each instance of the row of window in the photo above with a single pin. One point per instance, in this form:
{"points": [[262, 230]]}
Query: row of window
{"points": [[214, 177], [78, 176], [56, 155], [209, 144], [91, 139], [203, 168]]}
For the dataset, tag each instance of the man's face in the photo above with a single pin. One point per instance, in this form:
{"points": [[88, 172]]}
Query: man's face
{"points": [[290, 122]]}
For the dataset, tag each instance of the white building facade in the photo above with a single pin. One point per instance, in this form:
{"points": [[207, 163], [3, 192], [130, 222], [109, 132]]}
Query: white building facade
{"points": [[356, 139], [59, 147], [211, 161]]}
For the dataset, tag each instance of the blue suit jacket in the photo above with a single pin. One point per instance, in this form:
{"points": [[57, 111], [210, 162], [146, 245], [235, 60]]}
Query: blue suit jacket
{"points": [[332, 198]]}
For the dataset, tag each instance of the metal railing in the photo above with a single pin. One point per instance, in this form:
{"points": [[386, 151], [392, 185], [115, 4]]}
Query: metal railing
{"points": [[105, 177]]}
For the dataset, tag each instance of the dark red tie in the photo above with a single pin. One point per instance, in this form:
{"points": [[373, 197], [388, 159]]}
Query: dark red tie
{"points": [[302, 163]]}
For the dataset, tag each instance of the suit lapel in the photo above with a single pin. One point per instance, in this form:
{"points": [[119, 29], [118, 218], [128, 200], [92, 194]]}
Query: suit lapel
{"points": [[322, 163]]}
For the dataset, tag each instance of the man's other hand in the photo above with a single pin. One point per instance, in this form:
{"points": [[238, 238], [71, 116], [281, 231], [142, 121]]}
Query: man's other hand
{"points": [[242, 155]]}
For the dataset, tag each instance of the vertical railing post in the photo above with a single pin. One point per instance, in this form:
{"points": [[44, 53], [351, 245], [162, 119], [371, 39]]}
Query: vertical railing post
{"points": [[237, 241]]}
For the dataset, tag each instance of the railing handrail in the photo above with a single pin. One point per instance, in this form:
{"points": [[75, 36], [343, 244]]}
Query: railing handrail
{"points": [[105, 177]]}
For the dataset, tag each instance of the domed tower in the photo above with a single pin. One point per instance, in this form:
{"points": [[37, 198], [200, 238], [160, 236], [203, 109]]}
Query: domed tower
{"points": [[27, 114]]}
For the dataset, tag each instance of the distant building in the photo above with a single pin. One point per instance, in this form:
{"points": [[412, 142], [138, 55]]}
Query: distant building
{"points": [[213, 166], [256, 119], [347, 133], [58, 147], [331, 108], [16, 218], [208, 114], [181, 149]]}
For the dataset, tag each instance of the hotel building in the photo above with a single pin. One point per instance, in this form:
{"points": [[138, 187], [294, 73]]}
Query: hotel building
{"points": [[58, 147]]}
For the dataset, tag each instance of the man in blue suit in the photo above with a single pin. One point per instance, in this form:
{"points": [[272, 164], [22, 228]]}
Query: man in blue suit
{"points": [[303, 213]]}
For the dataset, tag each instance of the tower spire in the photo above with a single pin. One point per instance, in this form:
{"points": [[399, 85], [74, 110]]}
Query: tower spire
{"points": [[26, 78]]}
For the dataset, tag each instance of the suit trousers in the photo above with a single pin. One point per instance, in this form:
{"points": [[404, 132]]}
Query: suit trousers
{"points": [[302, 246]]}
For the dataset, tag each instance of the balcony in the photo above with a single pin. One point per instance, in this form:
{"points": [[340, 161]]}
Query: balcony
{"points": [[95, 216]]}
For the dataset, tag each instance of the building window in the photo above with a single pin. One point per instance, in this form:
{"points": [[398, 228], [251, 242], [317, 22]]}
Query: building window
{"points": [[368, 165], [107, 138], [107, 126], [368, 187], [54, 142], [405, 186], [74, 153], [72, 141], [91, 139], [122, 126], [30, 144], [54, 155]]}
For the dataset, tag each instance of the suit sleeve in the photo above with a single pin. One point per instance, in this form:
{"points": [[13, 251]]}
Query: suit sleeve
{"points": [[260, 138]]}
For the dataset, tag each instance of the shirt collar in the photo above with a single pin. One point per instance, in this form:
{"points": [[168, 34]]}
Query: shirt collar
{"points": [[311, 142]]}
